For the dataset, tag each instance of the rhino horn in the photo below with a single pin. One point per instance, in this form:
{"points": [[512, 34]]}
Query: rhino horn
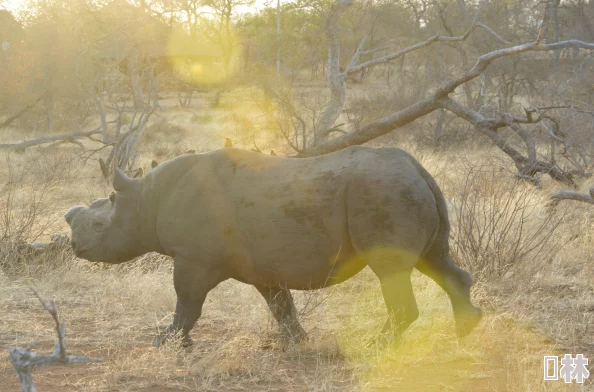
{"points": [[71, 212], [121, 182]]}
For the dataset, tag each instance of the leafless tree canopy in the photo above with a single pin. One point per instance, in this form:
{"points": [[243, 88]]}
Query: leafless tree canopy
{"points": [[516, 74]]}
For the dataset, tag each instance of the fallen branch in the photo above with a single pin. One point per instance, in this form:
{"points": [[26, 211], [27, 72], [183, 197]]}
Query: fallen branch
{"points": [[58, 242], [557, 196], [24, 360], [18, 114], [65, 137]]}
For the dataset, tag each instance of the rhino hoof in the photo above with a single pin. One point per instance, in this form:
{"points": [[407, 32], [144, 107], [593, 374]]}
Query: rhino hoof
{"points": [[384, 340], [162, 338], [468, 321], [158, 340], [187, 342], [294, 335]]}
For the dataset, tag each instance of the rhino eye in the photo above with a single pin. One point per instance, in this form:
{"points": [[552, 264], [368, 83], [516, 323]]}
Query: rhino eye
{"points": [[98, 225]]}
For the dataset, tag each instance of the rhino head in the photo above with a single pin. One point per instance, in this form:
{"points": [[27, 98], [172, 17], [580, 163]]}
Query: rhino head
{"points": [[108, 229]]}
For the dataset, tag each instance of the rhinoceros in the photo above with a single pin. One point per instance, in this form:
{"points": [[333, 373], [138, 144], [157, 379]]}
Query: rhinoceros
{"points": [[281, 224]]}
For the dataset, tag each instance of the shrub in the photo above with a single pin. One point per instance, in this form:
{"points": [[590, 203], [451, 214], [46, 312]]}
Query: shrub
{"points": [[500, 224], [26, 204]]}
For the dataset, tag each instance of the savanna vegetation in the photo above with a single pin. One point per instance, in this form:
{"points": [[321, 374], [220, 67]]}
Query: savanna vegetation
{"points": [[495, 98]]}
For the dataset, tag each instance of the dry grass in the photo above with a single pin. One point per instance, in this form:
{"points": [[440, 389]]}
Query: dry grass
{"points": [[113, 315], [113, 311]]}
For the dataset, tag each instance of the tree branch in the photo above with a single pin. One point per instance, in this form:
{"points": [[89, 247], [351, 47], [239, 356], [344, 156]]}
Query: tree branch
{"points": [[376, 128], [527, 166], [429, 104], [483, 61], [436, 38], [336, 78], [18, 114], [573, 195]]}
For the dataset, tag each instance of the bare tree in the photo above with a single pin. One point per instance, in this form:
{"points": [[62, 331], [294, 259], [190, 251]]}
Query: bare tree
{"points": [[527, 161], [312, 129], [119, 131], [219, 26]]}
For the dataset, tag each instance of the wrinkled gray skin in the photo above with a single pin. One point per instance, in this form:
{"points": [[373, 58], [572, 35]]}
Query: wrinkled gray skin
{"points": [[281, 223]]}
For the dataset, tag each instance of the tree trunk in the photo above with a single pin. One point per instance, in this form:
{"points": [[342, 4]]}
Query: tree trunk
{"points": [[336, 78], [438, 130], [134, 65], [556, 53]]}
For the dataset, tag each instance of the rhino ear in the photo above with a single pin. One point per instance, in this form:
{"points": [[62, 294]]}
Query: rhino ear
{"points": [[104, 168], [139, 173], [121, 182]]}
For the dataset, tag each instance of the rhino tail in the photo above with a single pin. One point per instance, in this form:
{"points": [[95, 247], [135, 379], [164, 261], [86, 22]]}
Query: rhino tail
{"points": [[439, 249], [437, 264]]}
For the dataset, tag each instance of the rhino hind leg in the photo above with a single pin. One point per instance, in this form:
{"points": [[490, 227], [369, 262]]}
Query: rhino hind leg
{"points": [[282, 307], [398, 295], [456, 283]]}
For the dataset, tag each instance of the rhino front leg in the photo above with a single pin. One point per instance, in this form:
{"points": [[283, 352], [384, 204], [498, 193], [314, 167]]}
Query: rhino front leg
{"points": [[192, 282], [280, 302]]}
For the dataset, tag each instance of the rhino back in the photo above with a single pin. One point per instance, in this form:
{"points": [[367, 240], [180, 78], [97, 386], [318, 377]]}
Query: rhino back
{"points": [[269, 219]]}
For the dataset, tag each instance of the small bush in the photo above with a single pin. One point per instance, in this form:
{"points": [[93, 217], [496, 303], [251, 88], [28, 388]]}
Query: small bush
{"points": [[27, 201], [500, 225]]}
